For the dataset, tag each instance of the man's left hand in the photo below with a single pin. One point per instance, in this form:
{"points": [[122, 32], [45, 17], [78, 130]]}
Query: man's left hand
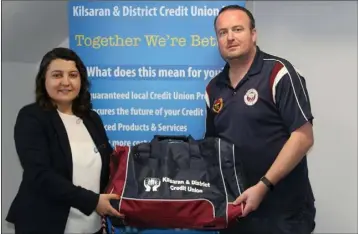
{"points": [[251, 198]]}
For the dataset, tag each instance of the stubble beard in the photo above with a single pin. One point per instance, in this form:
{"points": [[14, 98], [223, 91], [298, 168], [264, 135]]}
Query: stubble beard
{"points": [[238, 56]]}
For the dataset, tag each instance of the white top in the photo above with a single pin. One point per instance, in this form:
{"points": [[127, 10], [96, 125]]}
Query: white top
{"points": [[87, 166]]}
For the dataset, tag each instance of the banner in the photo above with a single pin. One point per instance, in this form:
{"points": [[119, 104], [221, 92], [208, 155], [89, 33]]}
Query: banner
{"points": [[148, 63]]}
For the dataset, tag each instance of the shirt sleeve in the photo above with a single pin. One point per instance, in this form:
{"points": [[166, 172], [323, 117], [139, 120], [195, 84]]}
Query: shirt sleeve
{"points": [[209, 120], [290, 95]]}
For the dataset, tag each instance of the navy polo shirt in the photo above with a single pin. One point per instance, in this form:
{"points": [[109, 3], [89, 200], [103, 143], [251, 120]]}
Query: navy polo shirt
{"points": [[258, 116]]}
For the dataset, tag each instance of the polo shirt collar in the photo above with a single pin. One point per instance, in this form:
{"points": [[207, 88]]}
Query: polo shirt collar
{"points": [[255, 68]]}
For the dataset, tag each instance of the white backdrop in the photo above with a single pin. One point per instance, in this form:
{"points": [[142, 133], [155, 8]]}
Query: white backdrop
{"points": [[320, 39]]}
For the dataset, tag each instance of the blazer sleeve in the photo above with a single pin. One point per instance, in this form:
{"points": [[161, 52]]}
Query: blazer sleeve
{"points": [[33, 149]]}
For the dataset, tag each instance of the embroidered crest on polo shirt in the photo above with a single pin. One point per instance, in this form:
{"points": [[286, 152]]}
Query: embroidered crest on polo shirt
{"points": [[251, 97], [218, 105]]}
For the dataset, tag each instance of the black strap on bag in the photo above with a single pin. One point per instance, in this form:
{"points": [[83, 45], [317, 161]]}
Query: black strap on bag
{"points": [[172, 138], [194, 151], [156, 145]]}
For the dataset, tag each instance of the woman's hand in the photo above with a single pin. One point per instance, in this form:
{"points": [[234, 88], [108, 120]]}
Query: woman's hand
{"points": [[104, 207]]}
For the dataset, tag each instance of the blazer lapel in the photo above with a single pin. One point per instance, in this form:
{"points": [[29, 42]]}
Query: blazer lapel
{"points": [[95, 134], [63, 139]]}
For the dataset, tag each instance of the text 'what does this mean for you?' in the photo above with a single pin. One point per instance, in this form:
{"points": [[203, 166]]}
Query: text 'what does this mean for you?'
{"points": [[145, 11], [150, 72]]}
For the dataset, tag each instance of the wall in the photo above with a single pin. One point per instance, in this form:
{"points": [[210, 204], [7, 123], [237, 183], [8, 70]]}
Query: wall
{"points": [[320, 38], [18, 85], [41, 24]]}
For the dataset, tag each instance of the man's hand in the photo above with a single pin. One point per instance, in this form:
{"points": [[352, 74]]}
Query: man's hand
{"points": [[251, 198]]}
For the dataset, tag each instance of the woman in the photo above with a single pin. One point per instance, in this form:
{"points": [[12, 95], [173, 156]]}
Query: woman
{"points": [[64, 151]]}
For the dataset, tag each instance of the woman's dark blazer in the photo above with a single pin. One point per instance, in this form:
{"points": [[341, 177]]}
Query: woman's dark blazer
{"points": [[46, 193]]}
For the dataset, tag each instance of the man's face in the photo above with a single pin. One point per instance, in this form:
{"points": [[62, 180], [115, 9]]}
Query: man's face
{"points": [[234, 34]]}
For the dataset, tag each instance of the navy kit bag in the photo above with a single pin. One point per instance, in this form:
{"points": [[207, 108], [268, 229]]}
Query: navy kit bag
{"points": [[176, 182]]}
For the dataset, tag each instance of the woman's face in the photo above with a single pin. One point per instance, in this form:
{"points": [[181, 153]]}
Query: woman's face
{"points": [[63, 81]]}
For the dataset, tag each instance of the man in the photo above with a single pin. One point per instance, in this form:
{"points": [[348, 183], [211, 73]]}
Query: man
{"points": [[260, 103]]}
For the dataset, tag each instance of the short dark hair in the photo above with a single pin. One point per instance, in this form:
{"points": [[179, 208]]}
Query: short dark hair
{"points": [[82, 104], [240, 8]]}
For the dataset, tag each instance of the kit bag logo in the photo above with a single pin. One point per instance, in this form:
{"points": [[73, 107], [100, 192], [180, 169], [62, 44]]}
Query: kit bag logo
{"points": [[192, 186], [151, 184]]}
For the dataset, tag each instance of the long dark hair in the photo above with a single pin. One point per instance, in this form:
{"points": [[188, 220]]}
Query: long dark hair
{"points": [[82, 103]]}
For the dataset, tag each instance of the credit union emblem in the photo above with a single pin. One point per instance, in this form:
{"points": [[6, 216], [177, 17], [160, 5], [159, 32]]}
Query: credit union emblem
{"points": [[251, 97], [218, 105], [151, 184]]}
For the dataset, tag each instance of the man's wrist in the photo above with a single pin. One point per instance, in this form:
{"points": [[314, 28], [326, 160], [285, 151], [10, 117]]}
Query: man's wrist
{"points": [[267, 183], [262, 188]]}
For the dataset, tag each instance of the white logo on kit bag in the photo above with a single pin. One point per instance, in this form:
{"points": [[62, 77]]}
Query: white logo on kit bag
{"points": [[151, 184]]}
